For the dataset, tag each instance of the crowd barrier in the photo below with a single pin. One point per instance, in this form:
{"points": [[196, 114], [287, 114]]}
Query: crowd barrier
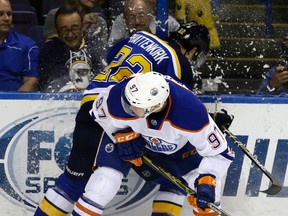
{"points": [[35, 140]]}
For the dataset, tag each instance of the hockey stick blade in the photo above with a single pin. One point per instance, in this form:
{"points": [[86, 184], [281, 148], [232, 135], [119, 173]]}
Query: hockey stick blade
{"points": [[180, 184], [275, 186]]}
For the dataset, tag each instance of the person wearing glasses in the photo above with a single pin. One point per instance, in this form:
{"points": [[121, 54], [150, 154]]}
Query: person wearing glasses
{"points": [[93, 23], [68, 62], [138, 15]]}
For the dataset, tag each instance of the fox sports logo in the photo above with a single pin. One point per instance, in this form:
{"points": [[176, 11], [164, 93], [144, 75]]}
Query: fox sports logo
{"points": [[33, 152]]}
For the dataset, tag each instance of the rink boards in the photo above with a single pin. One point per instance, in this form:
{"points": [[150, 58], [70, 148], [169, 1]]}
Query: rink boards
{"points": [[35, 140]]}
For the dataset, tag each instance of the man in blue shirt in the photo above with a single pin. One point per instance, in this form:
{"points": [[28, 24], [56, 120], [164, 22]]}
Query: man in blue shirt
{"points": [[19, 56]]}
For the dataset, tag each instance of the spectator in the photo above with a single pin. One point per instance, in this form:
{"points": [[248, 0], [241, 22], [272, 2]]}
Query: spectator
{"points": [[93, 24], [69, 62], [138, 15], [19, 56], [276, 79]]}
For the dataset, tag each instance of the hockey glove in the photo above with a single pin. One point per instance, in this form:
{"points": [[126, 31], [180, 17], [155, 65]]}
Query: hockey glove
{"points": [[130, 146], [222, 118], [205, 185], [192, 199]]}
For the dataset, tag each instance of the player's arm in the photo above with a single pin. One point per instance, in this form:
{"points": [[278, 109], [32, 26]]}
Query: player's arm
{"points": [[129, 144], [210, 143]]}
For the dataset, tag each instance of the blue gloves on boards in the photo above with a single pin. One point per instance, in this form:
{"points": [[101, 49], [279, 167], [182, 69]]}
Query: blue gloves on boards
{"points": [[205, 185], [222, 118]]}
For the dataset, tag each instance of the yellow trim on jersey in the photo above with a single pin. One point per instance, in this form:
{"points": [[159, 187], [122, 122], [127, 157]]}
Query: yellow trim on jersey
{"points": [[175, 58], [88, 98], [169, 208], [49, 209]]}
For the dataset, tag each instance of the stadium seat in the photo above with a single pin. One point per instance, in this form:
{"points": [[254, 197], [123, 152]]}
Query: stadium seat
{"points": [[36, 33], [22, 2], [46, 5], [24, 17], [22, 7]]}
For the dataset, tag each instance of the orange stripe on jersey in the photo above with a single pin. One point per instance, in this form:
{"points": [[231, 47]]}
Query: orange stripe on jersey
{"points": [[87, 211], [50, 209], [165, 207], [167, 112], [186, 130]]}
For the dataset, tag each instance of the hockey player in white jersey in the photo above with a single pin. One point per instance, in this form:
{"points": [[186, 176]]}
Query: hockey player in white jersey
{"points": [[140, 53], [153, 114]]}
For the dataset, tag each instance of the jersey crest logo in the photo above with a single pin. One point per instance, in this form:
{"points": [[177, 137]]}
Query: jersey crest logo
{"points": [[109, 147], [159, 145]]}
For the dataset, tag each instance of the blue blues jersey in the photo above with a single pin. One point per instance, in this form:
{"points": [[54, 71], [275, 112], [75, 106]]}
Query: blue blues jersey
{"points": [[142, 52]]}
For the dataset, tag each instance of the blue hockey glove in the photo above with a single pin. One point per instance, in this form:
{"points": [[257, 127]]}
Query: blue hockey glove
{"points": [[205, 185], [130, 146], [222, 118]]}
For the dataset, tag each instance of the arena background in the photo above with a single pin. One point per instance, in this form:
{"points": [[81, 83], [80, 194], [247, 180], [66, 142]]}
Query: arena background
{"points": [[35, 139]]}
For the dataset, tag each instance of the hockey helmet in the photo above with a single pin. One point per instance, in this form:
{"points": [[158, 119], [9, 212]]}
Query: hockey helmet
{"points": [[144, 91], [191, 35]]}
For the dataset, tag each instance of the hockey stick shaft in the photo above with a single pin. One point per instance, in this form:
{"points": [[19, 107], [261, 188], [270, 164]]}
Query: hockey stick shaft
{"points": [[180, 184], [276, 186]]}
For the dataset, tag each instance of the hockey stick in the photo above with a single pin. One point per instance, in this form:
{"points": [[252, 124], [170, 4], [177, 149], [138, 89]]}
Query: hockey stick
{"points": [[275, 184], [180, 184]]}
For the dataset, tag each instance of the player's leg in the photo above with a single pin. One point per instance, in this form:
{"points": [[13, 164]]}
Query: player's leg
{"points": [[100, 189], [105, 182], [60, 199], [168, 201], [69, 186]]}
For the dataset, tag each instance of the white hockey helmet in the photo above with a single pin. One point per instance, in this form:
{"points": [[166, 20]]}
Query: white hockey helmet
{"points": [[145, 90]]}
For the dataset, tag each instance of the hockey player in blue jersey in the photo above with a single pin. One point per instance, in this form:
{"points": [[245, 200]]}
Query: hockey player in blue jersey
{"points": [[142, 52], [153, 114]]}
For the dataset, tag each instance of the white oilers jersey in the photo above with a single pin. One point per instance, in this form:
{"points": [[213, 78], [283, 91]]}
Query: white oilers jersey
{"points": [[184, 120]]}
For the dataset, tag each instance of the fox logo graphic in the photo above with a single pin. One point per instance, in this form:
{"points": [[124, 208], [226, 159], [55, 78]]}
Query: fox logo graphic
{"points": [[31, 144]]}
